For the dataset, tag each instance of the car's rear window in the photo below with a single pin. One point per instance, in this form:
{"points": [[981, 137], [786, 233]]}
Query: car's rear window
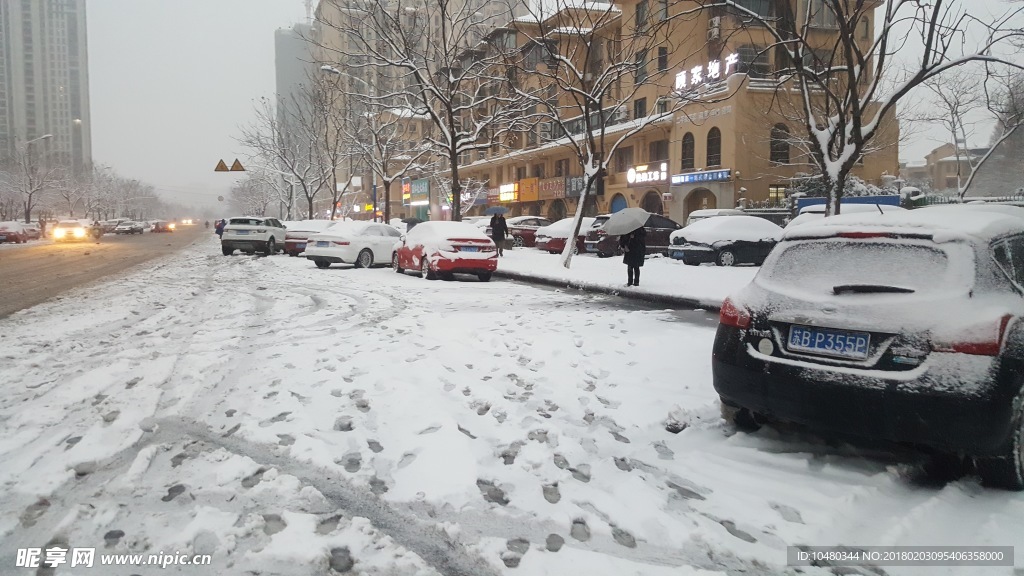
{"points": [[599, 221], [246, 221], [817, 266]]}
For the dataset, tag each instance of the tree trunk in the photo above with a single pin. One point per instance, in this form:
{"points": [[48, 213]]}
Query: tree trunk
{"points": [[581, 205], [456, 190], [387, 201]]}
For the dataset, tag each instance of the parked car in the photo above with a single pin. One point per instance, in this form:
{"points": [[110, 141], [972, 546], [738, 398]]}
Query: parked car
{"points": [[31, 231], [904, 327], [110, 225], [129, 227], [252, 234], [163, 226], [726, 241], [362, 244], [298, 232], [445, 248], [552, 237], [817, 212], [13, 233], [703, 214], [522, 230], [70, 230], [658, 229]]}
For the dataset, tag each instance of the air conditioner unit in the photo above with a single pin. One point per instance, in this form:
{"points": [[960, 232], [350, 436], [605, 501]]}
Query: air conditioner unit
{"points": [[714, 33], [715, 22]]}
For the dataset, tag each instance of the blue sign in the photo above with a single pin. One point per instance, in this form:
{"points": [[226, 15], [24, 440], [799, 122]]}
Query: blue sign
{"points": [[696, 177]]}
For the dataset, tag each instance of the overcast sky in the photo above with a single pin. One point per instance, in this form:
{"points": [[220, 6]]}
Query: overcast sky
{"points": [[171, 82]]}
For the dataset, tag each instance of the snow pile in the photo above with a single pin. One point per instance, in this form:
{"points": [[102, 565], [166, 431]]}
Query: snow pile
{"points": [[728, 229], [563, 228]]}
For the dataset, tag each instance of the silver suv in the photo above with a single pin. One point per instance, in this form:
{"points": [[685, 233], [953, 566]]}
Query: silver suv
{"points": [[252, 234]]}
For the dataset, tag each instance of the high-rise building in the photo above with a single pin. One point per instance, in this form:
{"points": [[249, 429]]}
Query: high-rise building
{"points": [[292, 62], [44, 80]]}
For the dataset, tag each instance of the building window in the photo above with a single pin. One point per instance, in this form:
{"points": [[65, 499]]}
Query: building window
{"points": [[762, 8], [538, 170], [780, 144], [754, 61], [821, 14], [662, 106], [641, 15], [662, 59], [688, 151], [623, 159], [641, 66], [663, 10], [657, 151], [562, 167], [776, 194], [714, 147], [639, 107], [865, 29]]}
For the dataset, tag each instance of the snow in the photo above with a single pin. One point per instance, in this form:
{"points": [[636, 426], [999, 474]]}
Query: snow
{"points": [[943, 223], [708, 285], [281, 418], [437, 233], [308, 225], [563, 228], [728, 228]]}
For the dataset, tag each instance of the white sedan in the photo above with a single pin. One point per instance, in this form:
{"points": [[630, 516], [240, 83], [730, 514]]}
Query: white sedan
{"points": [[358, 243]]}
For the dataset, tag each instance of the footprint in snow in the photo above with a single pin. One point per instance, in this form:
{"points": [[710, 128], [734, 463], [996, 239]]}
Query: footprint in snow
{"points": [[336, 393], [481, 409], [343, 424], [788, 513], [254, 478], [328, 525], [508, 455], [430, 429], [619, 437], [448, 386], [230, 413], [111, 416], [580, 530], [492, 493], [231, 430], [177, 459], [112, 537], [131, 383], [272, 524], [363, 405], [664, 452], [375, 446], [466, 432], [623, 464], [407, 458], [33, 512], [685, 492], [551, 493], [554, 543], [173, 492], [352, 462], [280, 417], [466, 391], [581, 472], [378, 486], [285, 439], [730, 526], [72, 441], [622, 537]]}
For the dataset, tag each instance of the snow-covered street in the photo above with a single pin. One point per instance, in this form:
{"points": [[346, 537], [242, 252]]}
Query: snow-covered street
{"points": [[290, 420]]}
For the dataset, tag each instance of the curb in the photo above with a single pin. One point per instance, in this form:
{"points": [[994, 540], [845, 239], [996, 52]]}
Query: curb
{"points": [[679, 301]]}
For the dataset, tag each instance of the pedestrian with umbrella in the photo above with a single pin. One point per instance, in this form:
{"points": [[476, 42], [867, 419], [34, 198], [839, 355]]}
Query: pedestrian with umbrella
{"points": [[628, 224]]}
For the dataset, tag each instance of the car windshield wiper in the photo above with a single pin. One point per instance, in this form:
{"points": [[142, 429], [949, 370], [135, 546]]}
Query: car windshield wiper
{"points": [[870, 289]]}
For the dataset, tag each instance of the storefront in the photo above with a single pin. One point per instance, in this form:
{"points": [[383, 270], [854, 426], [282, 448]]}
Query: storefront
{"points": [[574, 186], [529, 197], [552, 193], [416, 197], [648, 185], [699, 191]]}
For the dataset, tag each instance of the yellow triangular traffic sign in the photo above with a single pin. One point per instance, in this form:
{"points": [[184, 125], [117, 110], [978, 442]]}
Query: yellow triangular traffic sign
{"points": [[237, 166], [221, 167]]}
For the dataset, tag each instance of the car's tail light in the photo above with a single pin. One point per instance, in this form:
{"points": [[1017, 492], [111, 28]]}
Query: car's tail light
{"points": [[982, 345], [340, 243], [600, 232], [733, 315], [261, 231]]}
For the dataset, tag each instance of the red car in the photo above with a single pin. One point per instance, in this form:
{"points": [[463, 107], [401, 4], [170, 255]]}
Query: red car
{"points": [[552, 238], [523, 229], [12, 232], [445, 248], [296, 234]]}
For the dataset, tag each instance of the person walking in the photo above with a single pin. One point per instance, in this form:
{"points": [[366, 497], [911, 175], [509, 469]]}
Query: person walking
{"points": [[634, 248], [218, 228], [42, 227], [499, 229]]}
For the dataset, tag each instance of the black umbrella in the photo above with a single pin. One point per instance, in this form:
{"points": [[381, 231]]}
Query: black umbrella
{"points": [[411, 221]]}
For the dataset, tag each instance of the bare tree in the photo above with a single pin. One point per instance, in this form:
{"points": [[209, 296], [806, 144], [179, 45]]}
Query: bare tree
{"points": [[426, 60], [30, 177], [252, 195], [585, 64], [846, 83]]}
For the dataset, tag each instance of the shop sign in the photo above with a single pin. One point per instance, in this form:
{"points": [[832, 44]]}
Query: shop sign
{"points": [[552, 188], [508, 192], [700, 74], [492, 195], [529, 190], [645, 174], [575, 185], [420, 192], [406, 191], [697, 177]]}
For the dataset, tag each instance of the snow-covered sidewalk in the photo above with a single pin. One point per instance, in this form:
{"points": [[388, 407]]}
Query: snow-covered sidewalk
{"points": [[662, 280]]}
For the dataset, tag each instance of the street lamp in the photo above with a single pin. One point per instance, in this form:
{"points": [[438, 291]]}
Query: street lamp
{"points": [[373, 172], [43, 137]]}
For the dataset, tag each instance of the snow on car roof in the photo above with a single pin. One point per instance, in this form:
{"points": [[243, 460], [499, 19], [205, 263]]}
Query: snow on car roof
{"points": [[346, 227], [444, 229], [561, 228], [308, 225], [942, 223], [745, 228], [852, 208], [705, 212]]}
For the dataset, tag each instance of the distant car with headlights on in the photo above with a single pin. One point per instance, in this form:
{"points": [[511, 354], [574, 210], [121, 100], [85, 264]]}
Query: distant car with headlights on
{"points": [[70, 231], [359, 243], [128, 228], [163, 226]]}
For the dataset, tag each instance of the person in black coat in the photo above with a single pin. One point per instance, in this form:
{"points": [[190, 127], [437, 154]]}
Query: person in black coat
{"points": [[499, 229], [634, 247]]}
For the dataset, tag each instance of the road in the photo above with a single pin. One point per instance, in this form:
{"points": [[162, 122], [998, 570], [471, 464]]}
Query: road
{"points": [[37, 271], [290, 421]]}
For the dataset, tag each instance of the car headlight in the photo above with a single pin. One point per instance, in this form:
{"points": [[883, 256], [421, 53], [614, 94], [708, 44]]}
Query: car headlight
{"points": [[170, 226], [58, 233], [79, 232]]}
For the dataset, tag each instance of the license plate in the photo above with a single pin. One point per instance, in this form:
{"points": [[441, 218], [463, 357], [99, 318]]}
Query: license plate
{"points": [[322, 243], [241, 231], [677, 254], [2, 238], [469, 249], [300, 245], [829, 342]]}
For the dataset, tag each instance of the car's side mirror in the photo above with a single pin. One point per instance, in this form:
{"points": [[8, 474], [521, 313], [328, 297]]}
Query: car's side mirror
{"points": [[402, 238]]}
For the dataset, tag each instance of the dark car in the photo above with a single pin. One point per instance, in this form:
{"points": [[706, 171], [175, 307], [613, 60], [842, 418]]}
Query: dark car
{"points": [[658, 228], [522, 230], [903, 327], [725, 240], [128, 228], [162, 226]]}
